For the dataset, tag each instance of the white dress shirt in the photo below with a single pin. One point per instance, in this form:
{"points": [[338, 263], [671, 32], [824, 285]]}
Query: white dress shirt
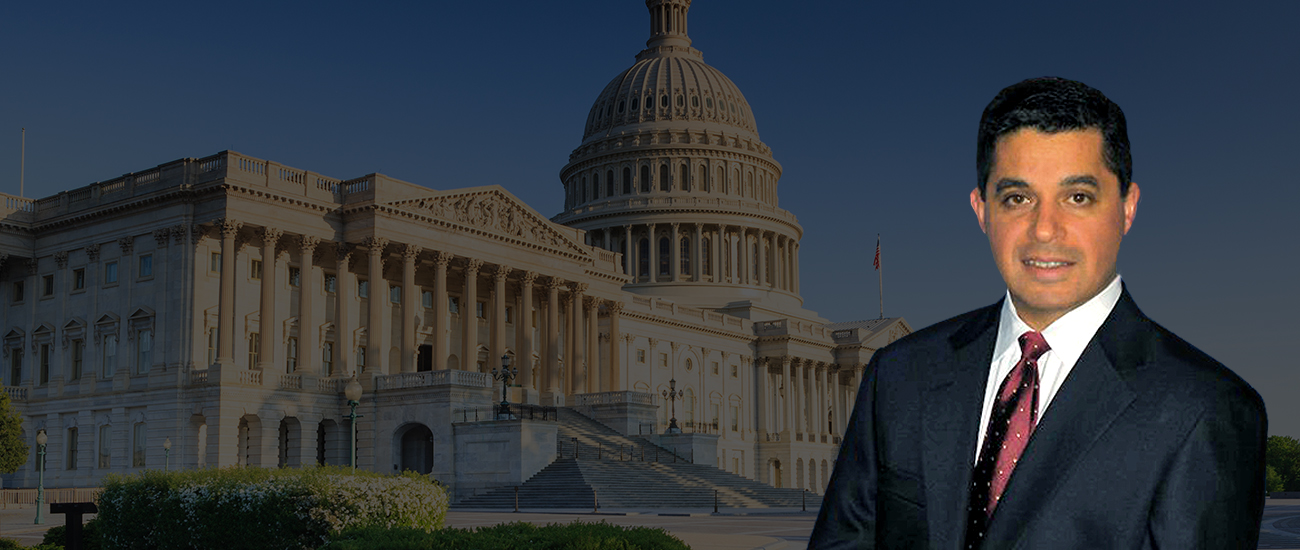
{"points": [[1066, 337]]}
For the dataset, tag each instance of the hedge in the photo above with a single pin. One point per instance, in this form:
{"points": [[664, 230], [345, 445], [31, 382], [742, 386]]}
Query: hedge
{"points": [[511, 536], [258, 508]]}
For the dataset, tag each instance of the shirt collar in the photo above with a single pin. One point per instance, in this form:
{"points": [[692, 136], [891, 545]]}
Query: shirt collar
{"points": [[1068, 335]]}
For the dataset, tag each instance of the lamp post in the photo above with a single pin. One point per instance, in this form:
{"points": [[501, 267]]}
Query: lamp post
{"points": [[41, 439], [672, 395], [353, 394], [505, 375], [167, 454]]}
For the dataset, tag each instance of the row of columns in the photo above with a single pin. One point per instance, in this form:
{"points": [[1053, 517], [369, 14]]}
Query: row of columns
{"points": [[806, 390], [580, 328], [735, 264]]}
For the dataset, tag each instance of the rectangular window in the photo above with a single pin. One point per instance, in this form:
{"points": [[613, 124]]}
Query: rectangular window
{"points": [[144, 351], [735, 418], [214, 262], [510, 314], [327, 358], [255, 269], [291, 356], [72, 449], [714, 408], [47, 285], [395, 294], [426, 299], [15, 366], [45, 364], [18, 292], [363, 288], [480, 310], [640, 356], [137, 456], [79, 279], [663, 360], [295, 276], [453, 305], [735, 371], [331, 283], [361, 358], [212, 346], [78, 352], [105, 453], [254, 345], [715, 367], [146, 266], [110, 355], [110, 273]]}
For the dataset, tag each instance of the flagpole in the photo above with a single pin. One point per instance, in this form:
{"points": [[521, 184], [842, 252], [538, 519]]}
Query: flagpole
{"points": [[22, 164], [881, 273]]}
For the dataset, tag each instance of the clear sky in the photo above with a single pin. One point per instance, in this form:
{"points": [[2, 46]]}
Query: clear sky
{"points": [[871, 109]]}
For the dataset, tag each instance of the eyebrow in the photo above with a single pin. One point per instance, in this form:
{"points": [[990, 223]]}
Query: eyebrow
{"points": [[1010, 183]]}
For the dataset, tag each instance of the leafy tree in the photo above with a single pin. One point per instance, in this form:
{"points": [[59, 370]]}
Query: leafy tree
{"points": [[1274, 481], [1283, 455], [13, 450]]}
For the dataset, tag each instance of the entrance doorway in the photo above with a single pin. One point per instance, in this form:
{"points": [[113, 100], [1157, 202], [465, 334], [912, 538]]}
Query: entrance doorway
{"points": [[417, 450]]}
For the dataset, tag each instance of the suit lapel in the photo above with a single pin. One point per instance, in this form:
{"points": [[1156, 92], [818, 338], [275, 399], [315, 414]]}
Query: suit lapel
{"points": [[950, 430], [1091, 398]]}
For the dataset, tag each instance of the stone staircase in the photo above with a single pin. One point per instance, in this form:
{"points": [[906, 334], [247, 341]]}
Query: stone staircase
{"points": [[597, 475]]}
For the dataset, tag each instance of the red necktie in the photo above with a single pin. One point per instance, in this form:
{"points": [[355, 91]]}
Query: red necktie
{"points": [[1015, 413]]}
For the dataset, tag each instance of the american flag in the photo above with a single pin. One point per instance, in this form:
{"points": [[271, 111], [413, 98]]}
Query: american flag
{"points": [[877, 260]]}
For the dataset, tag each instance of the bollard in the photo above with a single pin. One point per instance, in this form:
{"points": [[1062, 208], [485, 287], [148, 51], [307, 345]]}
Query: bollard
{"points": [[516, 499], [715, 501], [803, 499], [595, 501]]}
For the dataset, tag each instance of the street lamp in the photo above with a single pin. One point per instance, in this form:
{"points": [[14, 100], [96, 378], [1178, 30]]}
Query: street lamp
{"points": [[41, 439], [167, 454], [353, 394], [505, 375], [672, 395]]}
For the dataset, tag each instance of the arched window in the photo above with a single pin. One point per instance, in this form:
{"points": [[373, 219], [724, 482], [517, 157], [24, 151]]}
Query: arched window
{"points": [[636, 102], [663, 255], [721, 182], [754, 256], [582, 190], [609, 183], [704, 179], [736, 180], [685, 184], [595, 186], [643, 257], [685, 255], [749, 185], [627, 181], [645, 178], [663, 177]]}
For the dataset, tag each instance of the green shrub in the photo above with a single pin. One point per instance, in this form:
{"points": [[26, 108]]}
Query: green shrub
{"points": [[257, 508], [9, 544], [511, 536], [56, 537]]}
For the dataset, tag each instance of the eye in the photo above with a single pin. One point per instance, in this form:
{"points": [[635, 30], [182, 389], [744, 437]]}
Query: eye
{"points": [[1014, 199], [1080, 198]]}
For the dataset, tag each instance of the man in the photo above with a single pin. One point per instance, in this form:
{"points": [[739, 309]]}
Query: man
{"points": [[1060, 417]]}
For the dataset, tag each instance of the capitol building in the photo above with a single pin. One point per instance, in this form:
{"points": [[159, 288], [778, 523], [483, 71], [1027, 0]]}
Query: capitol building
{"points": [[223, 304]]}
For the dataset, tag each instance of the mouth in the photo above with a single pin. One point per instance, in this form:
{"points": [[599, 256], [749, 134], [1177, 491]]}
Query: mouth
{"points": [[1046, 264], [1048, 270]]}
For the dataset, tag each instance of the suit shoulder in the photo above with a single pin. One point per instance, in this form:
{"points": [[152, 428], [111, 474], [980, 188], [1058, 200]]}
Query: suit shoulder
{"points": [[942, 333], [1196, 372]]}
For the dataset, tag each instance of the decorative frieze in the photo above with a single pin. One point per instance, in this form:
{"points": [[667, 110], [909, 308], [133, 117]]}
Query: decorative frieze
{"points": [[61, 259]]}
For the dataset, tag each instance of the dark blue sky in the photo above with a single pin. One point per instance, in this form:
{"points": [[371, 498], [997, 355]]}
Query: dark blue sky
{"points": [[871, 110]]}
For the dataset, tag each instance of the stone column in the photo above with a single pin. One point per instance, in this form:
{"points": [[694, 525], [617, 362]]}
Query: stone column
{"points": [[266, 307], [578, 344], [226, 309], [629, 252], [306, 302], [697, 255], [469, 317], [652, 241], [674, 254], [375, 322], [497, 341], [615, 310], [591, 307], [524, 331], [800, 398], [717, 254], [344, 349], [795, 268], [828, 390], [787, 401], [764, 274], [410, 253], [552, 337], [742, 256], [760, 393], [441, 313]]}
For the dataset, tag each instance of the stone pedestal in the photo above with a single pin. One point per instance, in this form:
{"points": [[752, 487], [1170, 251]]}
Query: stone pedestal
{"points": [[500, 453], [699, 448], [624, 411]]}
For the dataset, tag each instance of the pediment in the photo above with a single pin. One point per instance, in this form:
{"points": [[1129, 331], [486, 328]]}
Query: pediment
{"points": [[143, 312], [494, 211], [107, 319]]}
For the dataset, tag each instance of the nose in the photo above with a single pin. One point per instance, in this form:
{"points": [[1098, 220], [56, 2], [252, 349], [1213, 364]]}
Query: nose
{"points": [[1046, 223]]}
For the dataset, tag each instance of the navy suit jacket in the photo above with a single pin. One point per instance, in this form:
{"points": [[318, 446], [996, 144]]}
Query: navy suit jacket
{"points": [[1148, 444]]}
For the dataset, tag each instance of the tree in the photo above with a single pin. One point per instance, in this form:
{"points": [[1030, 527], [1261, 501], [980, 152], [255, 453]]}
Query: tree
{"points": [[13, 450], [1283, 455], [1274, 481]]}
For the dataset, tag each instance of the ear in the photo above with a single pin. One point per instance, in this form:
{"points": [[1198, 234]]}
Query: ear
{"points": [[1131, 205], [977, 204]]}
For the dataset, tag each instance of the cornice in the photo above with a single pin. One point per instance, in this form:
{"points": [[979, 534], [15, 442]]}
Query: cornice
{"points": [[738, 336]]}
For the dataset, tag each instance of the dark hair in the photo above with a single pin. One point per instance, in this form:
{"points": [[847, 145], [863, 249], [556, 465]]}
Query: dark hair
{"points": [[1051, 104]]}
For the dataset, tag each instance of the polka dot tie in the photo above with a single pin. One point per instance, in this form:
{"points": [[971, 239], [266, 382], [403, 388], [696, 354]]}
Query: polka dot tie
{"points": [[1015, 413]]}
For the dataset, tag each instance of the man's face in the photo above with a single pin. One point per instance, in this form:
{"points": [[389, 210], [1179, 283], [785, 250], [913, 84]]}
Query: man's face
{"points": [[1054, 218]]}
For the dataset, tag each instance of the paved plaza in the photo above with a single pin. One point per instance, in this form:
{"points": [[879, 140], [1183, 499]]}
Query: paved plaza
{"points": [[730, 529]]}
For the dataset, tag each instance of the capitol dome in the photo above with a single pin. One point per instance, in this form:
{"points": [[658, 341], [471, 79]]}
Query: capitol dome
{"points": [[671, 175]]}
